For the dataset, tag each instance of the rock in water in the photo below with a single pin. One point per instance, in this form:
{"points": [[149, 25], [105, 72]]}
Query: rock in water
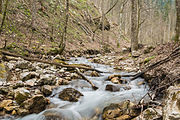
{"points": [[94, 74], [46, 90], [123, 111], [70, 94], [3, 72], [112, 88], [35, 104]]}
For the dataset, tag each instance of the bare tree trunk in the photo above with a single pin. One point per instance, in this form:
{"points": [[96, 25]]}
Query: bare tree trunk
{"points": [[1, 6], [134, 26], [4, 16], [103, 18], [64, 35], [177, 37]]}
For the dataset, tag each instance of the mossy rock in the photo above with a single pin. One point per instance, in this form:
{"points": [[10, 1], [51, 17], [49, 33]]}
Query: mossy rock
{"points": [[3, 72], [21, 95]]}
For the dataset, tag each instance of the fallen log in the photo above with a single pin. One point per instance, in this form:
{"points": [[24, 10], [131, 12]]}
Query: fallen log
{"points": [[85, 78], [172, 56], [49, 62]]}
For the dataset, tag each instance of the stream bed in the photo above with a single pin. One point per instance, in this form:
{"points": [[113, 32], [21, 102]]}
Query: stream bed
{"points": [[93, 101]]}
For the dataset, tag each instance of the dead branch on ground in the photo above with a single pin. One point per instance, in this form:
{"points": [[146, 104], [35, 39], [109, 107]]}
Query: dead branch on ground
{"points": [[85, 78]]}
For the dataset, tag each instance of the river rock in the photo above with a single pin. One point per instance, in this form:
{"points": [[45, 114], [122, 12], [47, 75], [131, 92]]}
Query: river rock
{"points": [[4, 90], [28, 75], [22, 64], [123, 111], [5, 103], [115, 80], [94, 74], [3, 72], [62, 81], [21, 94], [46, 90], [172, 104], [30, 82], [150, 114], [35, 104], [11, 108], [112, 88], [112, 111], [70, 94], [74, 76], [47, 79], [22, 111], [60, 114]]}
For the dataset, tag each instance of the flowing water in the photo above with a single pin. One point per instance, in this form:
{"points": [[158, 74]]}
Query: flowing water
{"points": [[93, 101]]}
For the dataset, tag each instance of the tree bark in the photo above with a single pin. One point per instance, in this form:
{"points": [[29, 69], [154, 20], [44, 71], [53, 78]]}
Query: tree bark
{"points": [[4, 16], [64, 36], [1, 6], [177, 37], [134, 26], [103, 19]]}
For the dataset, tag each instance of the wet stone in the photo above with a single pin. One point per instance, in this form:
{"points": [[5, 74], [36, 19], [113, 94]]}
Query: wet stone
{"points": [[35, 104], [70, 94], [112, 88], [46, 90]]}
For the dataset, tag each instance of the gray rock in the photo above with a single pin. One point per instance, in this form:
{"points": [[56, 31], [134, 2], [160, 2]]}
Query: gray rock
{"points": [[35, 104], [47, 79], [112, 88], [70, 94], [46, 90], [28, 75], [22, 64]]}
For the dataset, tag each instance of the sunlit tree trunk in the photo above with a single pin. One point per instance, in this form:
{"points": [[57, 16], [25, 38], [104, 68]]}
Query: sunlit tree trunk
{"points": [[177, 37], [134, 26]]}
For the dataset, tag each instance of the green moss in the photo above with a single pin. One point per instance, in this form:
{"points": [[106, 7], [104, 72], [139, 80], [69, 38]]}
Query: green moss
{"points": [[146, 60]]}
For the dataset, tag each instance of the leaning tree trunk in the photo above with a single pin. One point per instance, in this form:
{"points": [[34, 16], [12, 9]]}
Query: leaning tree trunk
{"points": [[134, 26], [177, 37]]}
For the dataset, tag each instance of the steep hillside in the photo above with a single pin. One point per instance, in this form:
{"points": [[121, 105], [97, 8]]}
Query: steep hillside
{"points": [[39, 26]]}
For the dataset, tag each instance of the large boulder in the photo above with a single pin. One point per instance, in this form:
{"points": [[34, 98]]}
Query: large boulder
{"points": [[35, 104], [171, 110], [123, 111], [21, 94], [70, 94]]}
